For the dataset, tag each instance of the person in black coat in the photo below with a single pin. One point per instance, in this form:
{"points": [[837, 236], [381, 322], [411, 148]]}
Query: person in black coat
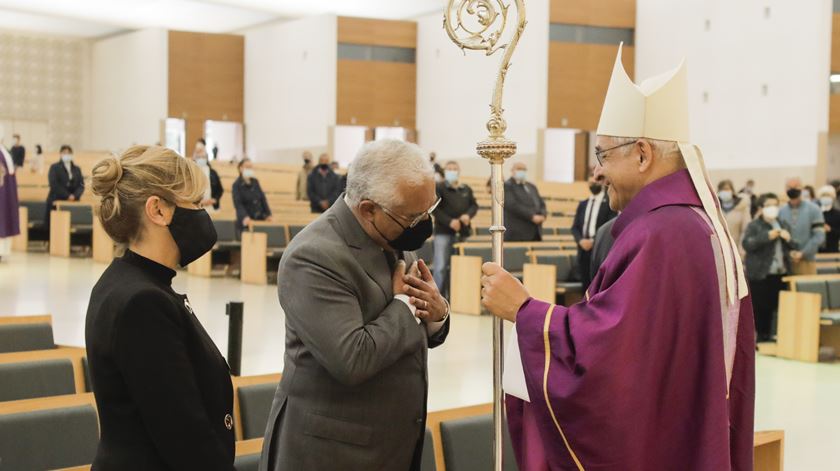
{"points": [[831, 214], [323, 186], [18, 151], [768, 243], [524, 207], [591, 214], [65, 179], [453, 220], [248, 197], [163, 391]]}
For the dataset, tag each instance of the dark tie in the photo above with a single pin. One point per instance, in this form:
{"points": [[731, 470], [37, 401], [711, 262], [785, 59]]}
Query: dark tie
{"points": [[591, 207]]}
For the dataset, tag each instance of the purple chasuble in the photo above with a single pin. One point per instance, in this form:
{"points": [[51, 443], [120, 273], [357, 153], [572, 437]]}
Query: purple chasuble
{"points": [[634, 377], [9, 215]]}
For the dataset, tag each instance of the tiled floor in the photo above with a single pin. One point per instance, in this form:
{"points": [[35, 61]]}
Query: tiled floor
{"points": [[803, 399]]}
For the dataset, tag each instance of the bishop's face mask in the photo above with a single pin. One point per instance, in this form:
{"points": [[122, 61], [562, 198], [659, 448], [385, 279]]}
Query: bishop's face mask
{"points": [[193, 232]]}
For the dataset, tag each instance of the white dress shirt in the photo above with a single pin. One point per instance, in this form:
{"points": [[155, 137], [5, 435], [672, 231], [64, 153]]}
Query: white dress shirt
{"points": [[590, 219]]}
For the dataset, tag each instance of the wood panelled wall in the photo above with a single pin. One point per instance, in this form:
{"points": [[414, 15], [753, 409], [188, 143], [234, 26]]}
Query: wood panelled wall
{"points": [[206, 79], [834, 100], [376, 93], [578, 73]]}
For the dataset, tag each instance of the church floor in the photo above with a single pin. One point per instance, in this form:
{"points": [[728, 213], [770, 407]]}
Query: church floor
{"points": [[800, 398]]}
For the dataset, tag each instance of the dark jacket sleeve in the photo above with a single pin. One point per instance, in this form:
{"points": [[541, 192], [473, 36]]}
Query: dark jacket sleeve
{"points": [[441, 218], [152, 356], [577, 224], [336, 190], [310, 189], [78, 183], [756, 236], [473, 210], [263, 199], [216, 190], [439, 337], [238, 204], [512, 206], [542, 201], [58, 189]]}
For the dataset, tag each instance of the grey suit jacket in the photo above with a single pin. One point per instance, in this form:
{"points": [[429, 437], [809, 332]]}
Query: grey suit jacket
{"points": [[522, 203], [354, 387]]}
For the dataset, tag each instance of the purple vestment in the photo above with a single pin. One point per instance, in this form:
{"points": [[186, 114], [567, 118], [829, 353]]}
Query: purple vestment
{"points": [[9, 213], [634, 377]]}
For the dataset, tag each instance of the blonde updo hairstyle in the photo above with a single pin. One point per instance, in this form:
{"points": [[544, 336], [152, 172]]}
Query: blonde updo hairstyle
{"points": [[124, 184]]}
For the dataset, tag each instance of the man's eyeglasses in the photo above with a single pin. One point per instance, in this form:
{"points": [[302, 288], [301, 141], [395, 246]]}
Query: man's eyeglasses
{"points": [[601, 154], [425, 214]]}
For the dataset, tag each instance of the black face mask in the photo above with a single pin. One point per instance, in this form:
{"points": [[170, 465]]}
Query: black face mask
{"points": [[193, 232], [595, 188], [794, 193], [412, 238], [307, 161], [323, 166]]}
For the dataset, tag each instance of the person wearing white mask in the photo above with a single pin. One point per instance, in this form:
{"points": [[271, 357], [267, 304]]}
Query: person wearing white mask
{"points": [[248, 197], [768, 244], [213, 192], [524, 207], [453, 219], [827, 195], [9, 222], [736, 210], [65, 179]]}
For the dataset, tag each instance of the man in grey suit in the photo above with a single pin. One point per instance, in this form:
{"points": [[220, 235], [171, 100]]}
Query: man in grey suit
{"points": [[524, 207], [358, 323]]}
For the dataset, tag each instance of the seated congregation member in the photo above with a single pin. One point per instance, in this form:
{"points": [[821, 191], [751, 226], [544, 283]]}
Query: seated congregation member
{"points": [[214, 191], [162, 388], [354, 389], [248, 197], [524, 207], [323, 186], [453, 220], [591, 214], [768, 244], [65, 179], [827, 196], [736, 210]]}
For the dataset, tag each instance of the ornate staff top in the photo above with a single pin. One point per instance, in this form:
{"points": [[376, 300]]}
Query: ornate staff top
{"points": [[478, 25]]}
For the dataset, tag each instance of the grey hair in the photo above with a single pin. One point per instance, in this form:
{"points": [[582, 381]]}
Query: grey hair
{"points": [[379, 165], [664, 149]]}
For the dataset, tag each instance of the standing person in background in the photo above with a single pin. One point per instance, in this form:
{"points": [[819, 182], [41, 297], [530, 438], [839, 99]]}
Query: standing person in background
{"points": [[808, 194], [335, 166], [9, 215], [768, 245], [162, 388], [303, 175], [827, 196], [736, 210], [439, 176], [36, 164], [453, 219], [591, 214], [18, 151], [214, 191], [66, 181], [603, 243], [807, 227], [248, 197], [524, 207], [323, 186], [748, 191]]}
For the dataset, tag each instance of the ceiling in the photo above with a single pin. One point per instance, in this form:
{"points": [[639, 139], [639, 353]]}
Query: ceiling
{"points": [[94, 18]]}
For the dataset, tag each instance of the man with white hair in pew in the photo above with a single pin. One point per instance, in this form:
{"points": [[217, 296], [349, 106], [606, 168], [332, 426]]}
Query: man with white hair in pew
{"points": [[358, 327]]}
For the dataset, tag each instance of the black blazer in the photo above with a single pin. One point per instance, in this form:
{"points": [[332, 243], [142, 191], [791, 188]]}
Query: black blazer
{"points": [[62, 186], [760, 249], [522, 203], [216, 190], [604, 215], [162, 388], [322, 187], [249, 201]]}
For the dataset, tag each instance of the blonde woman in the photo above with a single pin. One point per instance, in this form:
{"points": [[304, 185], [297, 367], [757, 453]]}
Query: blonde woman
{"points": [[162, 388]]}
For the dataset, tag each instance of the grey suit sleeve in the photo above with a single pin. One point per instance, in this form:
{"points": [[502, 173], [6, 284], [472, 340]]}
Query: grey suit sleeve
{"points": [[324, 312]]}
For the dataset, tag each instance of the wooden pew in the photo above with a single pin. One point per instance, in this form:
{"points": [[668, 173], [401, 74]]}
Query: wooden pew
{"points": [[808, 318], [62, 226], [240, 381], [21, 242], [769, 450], [258, 247], [74, 354], [36, 319]]}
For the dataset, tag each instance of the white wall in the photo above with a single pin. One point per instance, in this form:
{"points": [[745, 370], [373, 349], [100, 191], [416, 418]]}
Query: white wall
{"points": [[741, 124], [290, 87], [129, 89], [454, 91]]}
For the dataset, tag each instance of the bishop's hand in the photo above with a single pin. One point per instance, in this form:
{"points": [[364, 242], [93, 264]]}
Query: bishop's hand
{"points": [[501, 293]]}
